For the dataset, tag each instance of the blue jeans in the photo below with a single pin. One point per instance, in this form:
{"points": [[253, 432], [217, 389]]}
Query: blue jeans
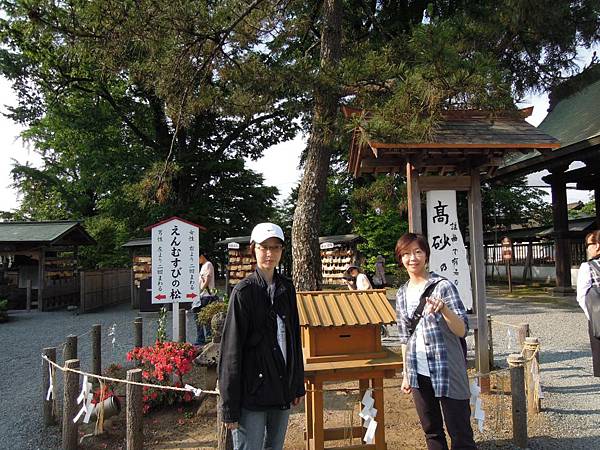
{"points": [[260, 430], [202, 331]]}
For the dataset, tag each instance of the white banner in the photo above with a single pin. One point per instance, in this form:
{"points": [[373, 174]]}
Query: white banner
{"points": [[174, 262], [448, 253]]}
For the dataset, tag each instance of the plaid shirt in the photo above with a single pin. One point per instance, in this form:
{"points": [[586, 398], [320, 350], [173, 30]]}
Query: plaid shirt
{"points": [[435, 344]]}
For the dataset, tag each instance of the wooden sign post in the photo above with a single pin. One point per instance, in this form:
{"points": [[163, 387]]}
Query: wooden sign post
{"points": [[507, 255], [175, 265]]}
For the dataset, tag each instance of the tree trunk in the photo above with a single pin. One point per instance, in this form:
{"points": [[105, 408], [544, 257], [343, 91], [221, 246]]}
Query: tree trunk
{"points": [[306, 270]]}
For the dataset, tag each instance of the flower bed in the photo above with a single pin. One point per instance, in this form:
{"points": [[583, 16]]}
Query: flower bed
{"points": [[164, 363]]}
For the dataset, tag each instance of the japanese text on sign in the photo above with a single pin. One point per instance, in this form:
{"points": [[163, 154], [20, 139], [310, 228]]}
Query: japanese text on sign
{"points": [[448, 254], [174, 262]]}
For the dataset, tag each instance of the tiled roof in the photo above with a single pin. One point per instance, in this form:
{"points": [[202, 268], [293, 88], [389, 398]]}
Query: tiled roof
{"points": [[339, 308], [44, 232]]}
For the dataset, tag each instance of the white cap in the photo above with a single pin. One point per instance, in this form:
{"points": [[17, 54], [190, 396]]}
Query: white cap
{"points": [[264, 231]]}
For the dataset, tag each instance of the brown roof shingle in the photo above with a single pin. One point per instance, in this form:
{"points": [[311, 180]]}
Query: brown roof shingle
{"points": [[339, 308]]}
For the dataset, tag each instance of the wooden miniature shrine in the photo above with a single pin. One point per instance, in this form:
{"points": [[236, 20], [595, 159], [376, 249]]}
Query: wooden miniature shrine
{"points": [[240, 260], [463, 147], [341, 341], [337, 252]]}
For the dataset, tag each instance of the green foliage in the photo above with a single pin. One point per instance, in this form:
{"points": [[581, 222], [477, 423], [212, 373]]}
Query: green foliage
{"points": [[587, 209], [161, 330], [379, 209], [207, 312], [514, 203]]}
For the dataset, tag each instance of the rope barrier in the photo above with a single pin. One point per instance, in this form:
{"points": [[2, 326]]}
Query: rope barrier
{"points": [[187, 388]]}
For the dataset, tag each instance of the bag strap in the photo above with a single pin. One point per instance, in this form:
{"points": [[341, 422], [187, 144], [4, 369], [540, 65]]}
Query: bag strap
{"points": [[414, 321]]}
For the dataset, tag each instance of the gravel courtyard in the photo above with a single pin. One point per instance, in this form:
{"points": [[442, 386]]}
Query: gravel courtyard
{"points": [[571, 405]]}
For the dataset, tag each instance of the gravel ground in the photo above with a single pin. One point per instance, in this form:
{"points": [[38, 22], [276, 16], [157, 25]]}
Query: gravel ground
{"points": [[571, 407], [20, 364]]}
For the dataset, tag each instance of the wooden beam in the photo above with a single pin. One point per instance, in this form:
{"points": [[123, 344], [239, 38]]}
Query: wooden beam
{"points": [[414, 200], [41, 276], [439, 183], [478, 273], [508, 146]]}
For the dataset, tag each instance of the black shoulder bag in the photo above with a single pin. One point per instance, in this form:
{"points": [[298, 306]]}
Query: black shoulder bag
{"points": [[414, 321], [592, 300]]}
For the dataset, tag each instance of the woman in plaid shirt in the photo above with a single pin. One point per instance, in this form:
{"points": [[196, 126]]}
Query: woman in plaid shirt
{"points": [[435, 369]]}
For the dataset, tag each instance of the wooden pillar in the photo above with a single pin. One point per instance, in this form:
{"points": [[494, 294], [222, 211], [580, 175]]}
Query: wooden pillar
{"points": [[97, 349], [41, 276], [415, 224], [70, 430], [317, 415], [478, 277], [377, 384], [70, 350], [48, 405], [135, 435], [562, 247], [519, 404], [28, 290], [137, 330], [308, 405]]}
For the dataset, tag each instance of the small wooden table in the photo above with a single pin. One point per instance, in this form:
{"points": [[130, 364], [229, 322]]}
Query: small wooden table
{"points": [[369, 373]]}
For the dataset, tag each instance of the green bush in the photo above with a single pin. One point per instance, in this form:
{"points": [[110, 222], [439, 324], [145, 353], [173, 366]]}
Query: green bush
{"points": [[206, 313]]}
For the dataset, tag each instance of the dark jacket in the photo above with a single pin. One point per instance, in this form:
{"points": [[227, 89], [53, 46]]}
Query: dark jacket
{"points": [[252, 371]]}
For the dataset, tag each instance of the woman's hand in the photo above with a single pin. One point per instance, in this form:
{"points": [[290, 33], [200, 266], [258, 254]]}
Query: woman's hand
{"points": [[436, 305], [232, 425], [405, 385], [455, 323]]}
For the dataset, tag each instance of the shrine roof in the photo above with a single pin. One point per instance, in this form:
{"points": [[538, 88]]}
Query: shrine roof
{"points": [[64, 232], [340, 308], [575, 121], [460, 141]]}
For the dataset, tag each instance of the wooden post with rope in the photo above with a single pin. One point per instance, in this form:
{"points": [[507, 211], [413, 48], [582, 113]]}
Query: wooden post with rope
{"points": [[516, 363], [70, 351], [532, 374], [137, 329], [48, 412], [522, 334], [70, 429], [96, 349], [135, 408]]}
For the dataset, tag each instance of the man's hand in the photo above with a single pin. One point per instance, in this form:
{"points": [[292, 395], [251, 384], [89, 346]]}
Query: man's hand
{"points": [[232, 425], [296, 401]]}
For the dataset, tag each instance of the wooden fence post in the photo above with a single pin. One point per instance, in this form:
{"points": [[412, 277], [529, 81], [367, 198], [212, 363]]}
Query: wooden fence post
{"points": [[519, 405], [182, 325], [532, 346], [522, 333], [491, 341], [137, 328], [70, 351], [135, 411], [28, 287], [97, 349], [70, 430], [47, 405]]}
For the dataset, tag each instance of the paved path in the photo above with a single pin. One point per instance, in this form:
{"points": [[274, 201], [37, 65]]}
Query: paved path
{"points": [[22, 340]]}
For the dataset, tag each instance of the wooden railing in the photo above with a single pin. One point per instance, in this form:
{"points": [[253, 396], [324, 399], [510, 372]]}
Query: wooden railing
{"points": [[534, 253]]}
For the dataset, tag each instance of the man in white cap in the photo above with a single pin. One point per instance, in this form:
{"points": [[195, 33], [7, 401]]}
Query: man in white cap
{"points": [[261, 369]]}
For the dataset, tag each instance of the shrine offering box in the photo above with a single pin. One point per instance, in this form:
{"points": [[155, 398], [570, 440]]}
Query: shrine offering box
{"points": [[343, 325]]}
